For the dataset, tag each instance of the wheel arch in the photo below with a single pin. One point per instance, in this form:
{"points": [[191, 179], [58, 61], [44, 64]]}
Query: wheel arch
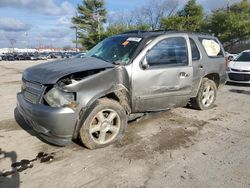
{"points": [[119, 94], [215, 77]]}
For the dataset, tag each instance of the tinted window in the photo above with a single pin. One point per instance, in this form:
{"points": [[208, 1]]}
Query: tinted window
{"points": [[171, 51], [194, 49], [212, 47]]}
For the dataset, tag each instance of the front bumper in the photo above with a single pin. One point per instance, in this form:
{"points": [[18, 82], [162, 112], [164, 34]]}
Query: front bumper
{"points": [[238, 77], [55, 125]]}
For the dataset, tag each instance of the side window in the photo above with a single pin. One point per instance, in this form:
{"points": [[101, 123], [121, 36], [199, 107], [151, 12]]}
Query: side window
{"points": [[170, 51], [195, 51], [212, 47]]}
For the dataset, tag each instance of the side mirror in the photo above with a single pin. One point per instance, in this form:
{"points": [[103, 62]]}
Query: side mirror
{"points": [[144, 63], [230, 58]]}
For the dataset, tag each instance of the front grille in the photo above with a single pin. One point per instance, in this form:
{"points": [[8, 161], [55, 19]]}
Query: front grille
{"points": [[239, 77], [239, 70], [33, 92]]}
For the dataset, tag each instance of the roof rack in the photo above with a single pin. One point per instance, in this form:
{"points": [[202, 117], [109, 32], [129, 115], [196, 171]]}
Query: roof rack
{"points": [[134, 32], [147, 31], [163, 31]]}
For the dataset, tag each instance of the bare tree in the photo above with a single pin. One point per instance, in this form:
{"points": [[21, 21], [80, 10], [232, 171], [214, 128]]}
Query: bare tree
{"points": [[149, 14], [154, 10], [125, 18], [12, 43]]}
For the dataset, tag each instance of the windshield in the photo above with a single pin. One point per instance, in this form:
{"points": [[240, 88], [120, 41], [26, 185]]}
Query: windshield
{"points": [[118, 49], [245, 56]]}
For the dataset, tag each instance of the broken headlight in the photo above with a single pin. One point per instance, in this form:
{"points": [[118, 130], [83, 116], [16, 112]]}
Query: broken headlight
{"points": [[58, 98]]}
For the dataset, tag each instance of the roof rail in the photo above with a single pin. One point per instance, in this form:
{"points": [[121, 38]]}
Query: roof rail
{"points": [[163, 31], [148, 31], [134, 32]]}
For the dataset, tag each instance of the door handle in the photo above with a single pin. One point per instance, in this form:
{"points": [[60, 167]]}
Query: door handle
{"points": [[183, 75]]}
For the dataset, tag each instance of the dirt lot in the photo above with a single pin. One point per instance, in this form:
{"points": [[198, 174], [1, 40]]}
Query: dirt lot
{"points": [[177, 148]]}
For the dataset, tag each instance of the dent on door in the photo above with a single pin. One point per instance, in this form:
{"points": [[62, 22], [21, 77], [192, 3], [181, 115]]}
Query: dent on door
{"points": [[156, 88], [161, 89]]}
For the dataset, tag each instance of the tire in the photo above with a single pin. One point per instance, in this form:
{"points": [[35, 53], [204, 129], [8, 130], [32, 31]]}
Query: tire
{"points": [[206, 95], [105, 124]]}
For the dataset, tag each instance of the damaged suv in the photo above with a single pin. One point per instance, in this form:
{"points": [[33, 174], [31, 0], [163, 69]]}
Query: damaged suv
{"points": [[92, 98]]}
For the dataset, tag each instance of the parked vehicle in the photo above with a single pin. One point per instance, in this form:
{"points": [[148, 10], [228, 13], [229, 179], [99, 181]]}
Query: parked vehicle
{"points": [[239, 69], [20, 57], [52, 56], [135, 72], [80, 55], [34, 57], [8, 57], [44, 56]]}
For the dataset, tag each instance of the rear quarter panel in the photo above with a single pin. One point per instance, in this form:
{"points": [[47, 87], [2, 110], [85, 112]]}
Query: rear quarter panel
{"points": [[210, 65]]}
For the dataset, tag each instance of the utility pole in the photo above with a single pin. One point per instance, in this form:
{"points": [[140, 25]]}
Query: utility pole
{"points": [[99, 30], [98, 18], [76, 37], [228, 5], [12, 42], [76, 40], [27, 42]]}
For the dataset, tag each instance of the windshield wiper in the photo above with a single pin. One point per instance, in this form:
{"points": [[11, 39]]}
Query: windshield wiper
{"points": [[101, 58]]}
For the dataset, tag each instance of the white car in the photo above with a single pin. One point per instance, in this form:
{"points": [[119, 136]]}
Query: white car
{"points": [[238, 70]]}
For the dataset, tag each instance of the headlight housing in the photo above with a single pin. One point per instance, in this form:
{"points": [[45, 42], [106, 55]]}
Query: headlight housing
{"points": [[58, 98], [228, 68]]}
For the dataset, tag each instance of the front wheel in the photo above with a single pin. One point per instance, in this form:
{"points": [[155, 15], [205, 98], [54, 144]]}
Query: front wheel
{"points": [[106, 123], [206, 95]]}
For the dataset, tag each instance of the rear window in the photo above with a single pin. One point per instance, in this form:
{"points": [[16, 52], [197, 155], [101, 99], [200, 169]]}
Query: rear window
{"points": [[212, 47], [195, 51]]}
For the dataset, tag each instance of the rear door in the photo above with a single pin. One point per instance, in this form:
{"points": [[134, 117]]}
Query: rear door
{"points": [[162, 74]]}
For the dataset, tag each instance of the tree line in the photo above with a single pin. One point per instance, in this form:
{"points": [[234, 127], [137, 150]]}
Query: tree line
{"points": [[230, 24]]}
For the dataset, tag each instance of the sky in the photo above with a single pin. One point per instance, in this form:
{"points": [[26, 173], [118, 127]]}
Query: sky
{"points": [[36, 23]]}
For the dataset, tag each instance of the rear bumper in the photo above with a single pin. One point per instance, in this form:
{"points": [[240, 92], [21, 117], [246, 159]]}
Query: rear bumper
{"points": [[55, 125]]}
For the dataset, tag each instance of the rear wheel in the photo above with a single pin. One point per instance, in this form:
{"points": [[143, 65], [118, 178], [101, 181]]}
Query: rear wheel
{"points": [[206, 95], [106, 123]]}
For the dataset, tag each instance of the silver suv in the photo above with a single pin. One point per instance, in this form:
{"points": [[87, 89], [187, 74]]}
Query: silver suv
{"points": [[91, 98]]}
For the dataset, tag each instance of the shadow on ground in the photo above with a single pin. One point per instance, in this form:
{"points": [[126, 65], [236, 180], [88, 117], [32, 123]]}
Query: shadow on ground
{"points": [[25, 126], [237, 84], [240, 91], [11, 177]]}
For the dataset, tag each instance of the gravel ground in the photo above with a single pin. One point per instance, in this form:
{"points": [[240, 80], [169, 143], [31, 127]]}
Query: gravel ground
{"points": [[177, 148]]}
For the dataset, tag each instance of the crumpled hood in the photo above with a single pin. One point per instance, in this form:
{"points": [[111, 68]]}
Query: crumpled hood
{"points": [[51, 72], [241, 65]]}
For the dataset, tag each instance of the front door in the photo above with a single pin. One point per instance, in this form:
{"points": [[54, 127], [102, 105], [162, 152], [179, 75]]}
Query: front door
{"points": [[163, 77]]}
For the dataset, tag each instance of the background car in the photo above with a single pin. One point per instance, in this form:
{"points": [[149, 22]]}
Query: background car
{"points": [[34, 57], [80, 55], [8, 57], [238, 70]]}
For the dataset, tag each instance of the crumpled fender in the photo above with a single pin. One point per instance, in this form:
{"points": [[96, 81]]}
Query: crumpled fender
{"points": [[96, 86]]}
